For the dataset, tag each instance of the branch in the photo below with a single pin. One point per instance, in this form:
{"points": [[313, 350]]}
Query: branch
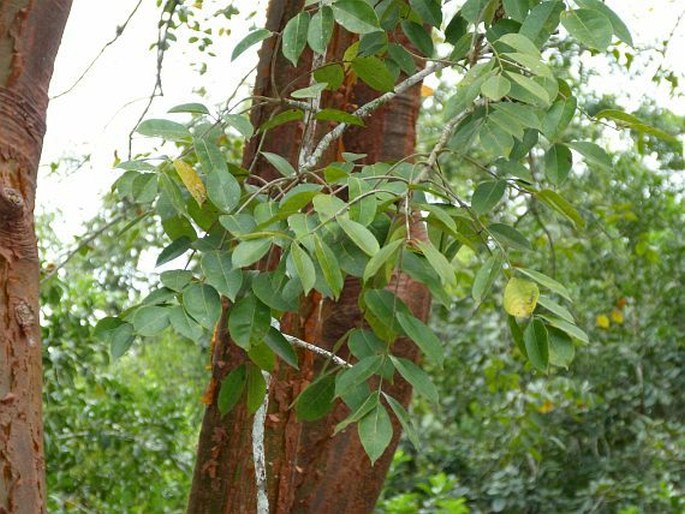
{"points": [[367, 109], [258, 452], [119, 33], [317, 350], [84, 242], [163, 34]]}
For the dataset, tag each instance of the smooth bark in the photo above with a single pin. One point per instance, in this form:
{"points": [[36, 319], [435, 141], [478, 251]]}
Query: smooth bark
{"points": [[30, 33]]}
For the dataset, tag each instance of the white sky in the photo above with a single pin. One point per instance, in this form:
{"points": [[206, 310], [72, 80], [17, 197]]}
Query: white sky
{"points": [[96, 117]]}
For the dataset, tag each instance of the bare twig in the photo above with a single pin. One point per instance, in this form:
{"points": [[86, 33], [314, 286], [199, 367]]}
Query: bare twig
{"points": [[295, 341], [365, 110], [258, 452], [84, 242], [163, 34], [119, 32]]}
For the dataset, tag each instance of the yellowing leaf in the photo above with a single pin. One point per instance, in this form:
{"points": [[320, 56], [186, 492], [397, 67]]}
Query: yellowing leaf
{"points": [[191, 180], [602, 321], [520, 297], [546, 407], [617, 316], [427, 91]]}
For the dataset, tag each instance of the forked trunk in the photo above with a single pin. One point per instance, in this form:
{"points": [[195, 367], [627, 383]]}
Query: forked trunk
{"points": [[308, 470], [30, 33]]}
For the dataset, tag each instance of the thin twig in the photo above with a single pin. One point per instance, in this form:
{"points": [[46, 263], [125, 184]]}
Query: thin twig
{"points": [[162, 37], [365, 110], [84, 242], [258, 451], [295, 341], [119, 32]]}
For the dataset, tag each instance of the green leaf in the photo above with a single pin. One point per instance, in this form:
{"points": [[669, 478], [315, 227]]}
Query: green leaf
{"points": [[231, 389], [360, 235], [593, 154], [220, 274], [590, 27], [558, 162], [561, 349], [429, 10], [241, 124], [522, 44], [256, 389], [249, 322], [238, 225], [329, 266], [402, 58], [339, 116], [175, 249], [405, 420], [487, 195], [562, 206], [380, 307], [312, 91], [509, 236], [121, 340], [386, 254], [166, 129], [316, 400], [542, 21], [418, 378], [150, 320], [539, 95], [486, 275], [570, 328], [281, 119], [419, 37], [249, 252], [176, 279], [375, 432], [358, 374], [251, 39], [558, 117], [357, 16], [304, 266], [536, 340], [495, 87], [280, 163], [619, 28], [516, 9], [280, 346], [495, 140], [423, 336], [295, 37], [364, 408], [373, 72], [320, 30], [520, 297], [547, 282], [555, 308], [183, 324], [530, 62], [328, 206], [193, 108], [117, 333], [202, 302], [623, 119], [439, 263], [331, 74]]}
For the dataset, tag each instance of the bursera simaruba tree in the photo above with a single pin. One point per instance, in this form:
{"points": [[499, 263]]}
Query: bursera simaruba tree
{"points": [[308, 469]]}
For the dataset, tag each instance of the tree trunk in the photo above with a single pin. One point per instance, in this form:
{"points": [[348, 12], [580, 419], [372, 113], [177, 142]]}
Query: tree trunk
{"points": [[308, 470], [30, 33]]}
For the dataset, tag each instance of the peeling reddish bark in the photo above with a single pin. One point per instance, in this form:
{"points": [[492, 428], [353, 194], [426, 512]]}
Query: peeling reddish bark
{"points": [[30, 33], [308, 470]]}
